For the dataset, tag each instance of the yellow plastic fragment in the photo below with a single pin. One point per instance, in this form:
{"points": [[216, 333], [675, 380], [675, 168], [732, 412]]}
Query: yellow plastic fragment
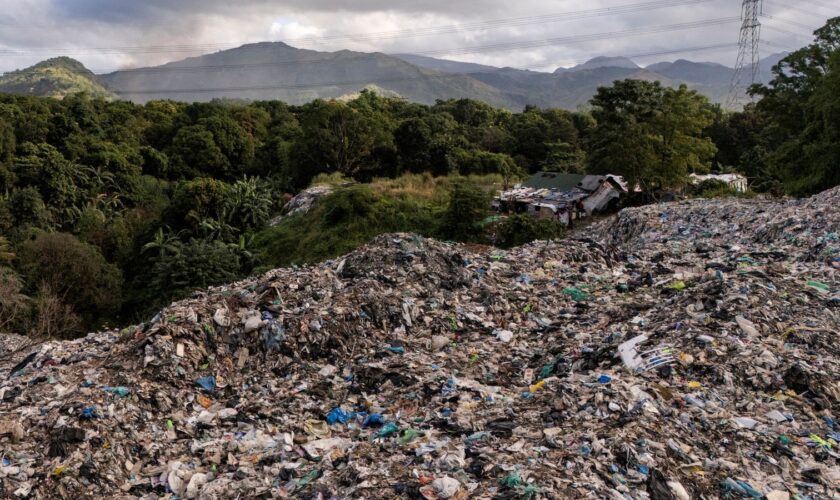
{"points": [[534, 388], [820, 441]]}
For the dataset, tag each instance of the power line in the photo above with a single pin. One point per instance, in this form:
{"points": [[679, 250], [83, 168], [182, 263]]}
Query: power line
{"points": [[822, 4], [792, 33], [546, 18], [796, 9], [569, 40], [494, 47], [777, 46], [792, 23], [543, 19], [577, 39]]}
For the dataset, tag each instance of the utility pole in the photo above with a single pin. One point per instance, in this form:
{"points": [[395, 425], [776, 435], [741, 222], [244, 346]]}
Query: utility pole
{"points": [[745, 76]]}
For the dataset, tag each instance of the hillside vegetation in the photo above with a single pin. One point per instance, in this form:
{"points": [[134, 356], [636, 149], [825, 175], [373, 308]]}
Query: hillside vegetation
{"points": [[451, 207], [58, 77]]}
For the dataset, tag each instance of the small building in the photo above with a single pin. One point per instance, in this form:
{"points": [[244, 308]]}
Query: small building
{"points": [[735, 181], [562, 196]]}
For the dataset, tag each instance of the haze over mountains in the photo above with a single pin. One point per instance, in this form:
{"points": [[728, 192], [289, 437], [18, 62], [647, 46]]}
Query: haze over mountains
{"points": [[275, 70]]}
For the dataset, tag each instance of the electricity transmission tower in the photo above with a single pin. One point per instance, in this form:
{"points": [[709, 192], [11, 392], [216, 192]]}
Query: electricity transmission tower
{"points": [[747, 64]]}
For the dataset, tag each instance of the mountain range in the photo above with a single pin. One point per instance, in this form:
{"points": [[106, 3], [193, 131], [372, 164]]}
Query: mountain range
{"points": [[275, 70]]}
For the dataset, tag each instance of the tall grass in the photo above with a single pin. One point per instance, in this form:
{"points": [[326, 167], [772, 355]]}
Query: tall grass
{"points": [[353, 214]]}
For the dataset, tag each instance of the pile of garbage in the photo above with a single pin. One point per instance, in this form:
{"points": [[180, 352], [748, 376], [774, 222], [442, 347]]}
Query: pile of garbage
{"points": [[684, 350]]}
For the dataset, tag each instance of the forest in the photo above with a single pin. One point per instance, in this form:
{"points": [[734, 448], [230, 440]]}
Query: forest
{"points": [[109, 210]]}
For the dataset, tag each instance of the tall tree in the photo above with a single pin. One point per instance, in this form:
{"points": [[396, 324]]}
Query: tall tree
{"points": [[649, 134], [800, 106]]}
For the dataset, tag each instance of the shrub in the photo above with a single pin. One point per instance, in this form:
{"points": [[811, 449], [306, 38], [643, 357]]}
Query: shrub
{"points": [[520, 229], [714, 188], [248, 206], [14, 305], [195, 265], [347, 204], [27, 208], [53, 317], [61, 265], [468, 205]]}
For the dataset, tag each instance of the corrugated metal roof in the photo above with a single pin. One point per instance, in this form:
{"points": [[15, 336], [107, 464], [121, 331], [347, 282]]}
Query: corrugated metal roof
{"points": [[592, 182]]}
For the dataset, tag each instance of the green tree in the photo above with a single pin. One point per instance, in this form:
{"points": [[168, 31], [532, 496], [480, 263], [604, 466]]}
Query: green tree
{"points": [[234, 142], [468, 205], [196, 153], [76, 272], [649, 134], [7, 151], [7, 142], [197, 264], [336, 138], [27, 208], [163, 244], [15, 306], [413, 139], [800, 107], [42, 166], [677, 129], [196, 200], [469, 162]]}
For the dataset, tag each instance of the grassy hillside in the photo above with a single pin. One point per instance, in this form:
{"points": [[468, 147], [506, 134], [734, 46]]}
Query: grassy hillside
{"points": [[57, 77], [352, 215]]}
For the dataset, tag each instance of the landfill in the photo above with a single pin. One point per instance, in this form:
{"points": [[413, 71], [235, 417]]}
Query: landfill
{"points": [[675, 351]]}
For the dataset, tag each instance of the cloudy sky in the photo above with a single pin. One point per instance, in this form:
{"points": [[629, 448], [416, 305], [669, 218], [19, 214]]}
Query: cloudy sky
{"points": [[532, 34]]}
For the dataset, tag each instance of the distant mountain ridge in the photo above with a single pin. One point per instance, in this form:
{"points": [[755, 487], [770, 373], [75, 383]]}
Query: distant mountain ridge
{"points": [[275, 70], [601, 62], [571, 88]]}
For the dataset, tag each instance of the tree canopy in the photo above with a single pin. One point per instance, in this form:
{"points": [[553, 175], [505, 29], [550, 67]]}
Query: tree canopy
{"points": [[651, 135]]}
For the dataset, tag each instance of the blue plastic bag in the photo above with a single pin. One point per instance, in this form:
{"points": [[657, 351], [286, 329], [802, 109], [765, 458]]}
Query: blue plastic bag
{"points": [[207, 383], [339, 415]]}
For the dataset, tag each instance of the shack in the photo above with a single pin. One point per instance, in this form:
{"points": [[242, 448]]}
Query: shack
{"points": [[565, 197]]}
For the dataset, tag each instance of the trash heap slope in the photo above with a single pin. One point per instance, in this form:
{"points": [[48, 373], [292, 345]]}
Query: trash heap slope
{"points": [[414, 368]]}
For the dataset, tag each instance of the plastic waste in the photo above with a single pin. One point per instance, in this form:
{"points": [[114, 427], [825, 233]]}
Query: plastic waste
{"points": [[388, 430], [696, 398], [373, 420], [339, 415], [207, 383], [89, 413], [576, 294], [639, 361], [118, 391]]}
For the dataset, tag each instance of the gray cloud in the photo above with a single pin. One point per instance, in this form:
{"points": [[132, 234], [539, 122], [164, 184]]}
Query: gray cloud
{"points": [[109, 34]]}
